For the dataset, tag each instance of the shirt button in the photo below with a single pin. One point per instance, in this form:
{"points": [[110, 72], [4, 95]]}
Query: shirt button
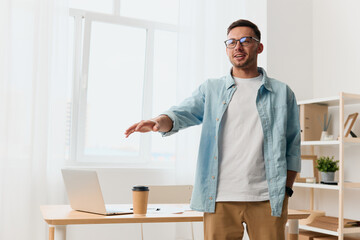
{"points": [[213, 177], [215, 157], [215, 137], [224, 102], [217, 119], [210, 198]]}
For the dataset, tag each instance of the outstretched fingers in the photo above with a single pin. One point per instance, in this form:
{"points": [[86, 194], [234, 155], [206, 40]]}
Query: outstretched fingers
{"points": [[130, 130], [143, 126]]}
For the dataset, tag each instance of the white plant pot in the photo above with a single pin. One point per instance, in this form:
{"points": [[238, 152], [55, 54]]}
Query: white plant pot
{"points": [[324, 136]]}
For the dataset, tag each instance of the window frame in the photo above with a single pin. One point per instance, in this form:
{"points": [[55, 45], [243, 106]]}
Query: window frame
{"points": [[82, 37]]}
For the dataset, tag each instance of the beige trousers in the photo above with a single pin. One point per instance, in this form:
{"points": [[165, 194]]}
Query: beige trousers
{"points": [[227, 221]]}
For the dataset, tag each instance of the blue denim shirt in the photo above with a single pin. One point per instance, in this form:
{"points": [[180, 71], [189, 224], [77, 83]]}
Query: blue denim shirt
{"points": [[279, 116]]}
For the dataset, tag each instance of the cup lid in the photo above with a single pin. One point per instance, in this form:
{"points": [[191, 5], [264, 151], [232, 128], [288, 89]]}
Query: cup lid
{"points": [[140, 188]]}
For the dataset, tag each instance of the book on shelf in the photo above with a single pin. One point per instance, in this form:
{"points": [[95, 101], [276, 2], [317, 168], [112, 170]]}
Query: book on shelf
{"points": [[331, 223]]}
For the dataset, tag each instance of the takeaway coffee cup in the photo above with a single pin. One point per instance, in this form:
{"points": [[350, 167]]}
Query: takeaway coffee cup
{"points": [[140, 199]]}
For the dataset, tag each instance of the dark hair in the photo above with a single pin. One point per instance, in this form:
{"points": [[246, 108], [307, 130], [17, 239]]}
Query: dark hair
{"points": [[245, 23]]}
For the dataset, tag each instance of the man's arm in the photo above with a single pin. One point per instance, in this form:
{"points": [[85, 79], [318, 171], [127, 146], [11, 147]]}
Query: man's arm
{"points": [[293, 150], [291, 175], [188, 113]]}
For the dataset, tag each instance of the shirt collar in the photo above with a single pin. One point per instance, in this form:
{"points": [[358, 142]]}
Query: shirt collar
{"points": [[265, 80]]}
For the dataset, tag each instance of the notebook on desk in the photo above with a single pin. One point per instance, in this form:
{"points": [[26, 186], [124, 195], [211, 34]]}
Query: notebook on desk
{"points": [[84, 193]]}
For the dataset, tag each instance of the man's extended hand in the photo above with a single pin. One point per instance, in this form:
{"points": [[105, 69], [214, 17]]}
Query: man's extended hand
{"points": [[161, 123]]}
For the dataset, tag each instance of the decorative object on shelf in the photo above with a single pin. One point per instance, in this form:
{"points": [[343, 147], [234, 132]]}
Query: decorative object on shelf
{"points": [[349, 124], [310, 180], [353, 134], [327, 167], [328, 138], [325, 126], [313, 169]]}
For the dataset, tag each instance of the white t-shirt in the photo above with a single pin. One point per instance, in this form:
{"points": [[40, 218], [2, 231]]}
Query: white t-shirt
{"points": [[242, 167]]}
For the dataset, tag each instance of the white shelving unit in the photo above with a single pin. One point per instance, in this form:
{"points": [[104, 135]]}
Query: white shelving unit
{"points": [[319, 143], [316, 185], [341, 101]]}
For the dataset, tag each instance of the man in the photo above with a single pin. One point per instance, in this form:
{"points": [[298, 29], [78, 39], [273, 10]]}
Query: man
{"points": [[250, 143]]}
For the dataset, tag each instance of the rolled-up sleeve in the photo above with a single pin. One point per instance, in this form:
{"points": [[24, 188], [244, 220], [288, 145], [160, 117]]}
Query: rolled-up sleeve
{"points": [[293, 134], [188, 113]]}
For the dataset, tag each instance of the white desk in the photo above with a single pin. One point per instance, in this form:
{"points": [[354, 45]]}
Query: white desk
{"points": [[59, 216]]}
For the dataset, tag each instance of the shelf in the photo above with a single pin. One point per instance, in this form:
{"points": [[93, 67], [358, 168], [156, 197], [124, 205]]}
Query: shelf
{"points": [[351, 140], [351, 184], [347, 141], [316, 185], [314, 143], [325, 186], [329, 225], [352, 230], [319, 230], [330, 101], [349, 99]]}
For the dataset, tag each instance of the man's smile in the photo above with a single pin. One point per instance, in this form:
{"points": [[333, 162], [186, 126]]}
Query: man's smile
{"points": [[239, 56]]}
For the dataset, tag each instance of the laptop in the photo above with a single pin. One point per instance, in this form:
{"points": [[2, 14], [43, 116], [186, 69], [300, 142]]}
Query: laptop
{"points": [[84, 193]]}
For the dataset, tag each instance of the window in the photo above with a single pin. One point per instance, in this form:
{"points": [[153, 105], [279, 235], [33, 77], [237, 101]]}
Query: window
{"points": [[103, 6], [124, 68], [165, 11]]}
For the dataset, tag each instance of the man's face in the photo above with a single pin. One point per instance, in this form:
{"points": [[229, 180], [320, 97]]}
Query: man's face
{"points": [[243, 57]]}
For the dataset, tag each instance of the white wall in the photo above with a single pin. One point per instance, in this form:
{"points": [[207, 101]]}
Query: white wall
{"points": [[290, 58], [336, 46]]}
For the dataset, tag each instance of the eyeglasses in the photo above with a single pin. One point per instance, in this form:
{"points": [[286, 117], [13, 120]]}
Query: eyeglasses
{"points": [[244, 41]]}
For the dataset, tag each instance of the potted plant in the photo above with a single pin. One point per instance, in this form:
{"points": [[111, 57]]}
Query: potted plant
{"points": [[327, 167]]}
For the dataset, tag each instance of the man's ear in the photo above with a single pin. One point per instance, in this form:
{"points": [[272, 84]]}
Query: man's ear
{"points": [[260, 48]]}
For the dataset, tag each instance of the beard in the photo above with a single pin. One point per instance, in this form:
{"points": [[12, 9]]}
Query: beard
{"points": [[249, 61], [244, 64]]}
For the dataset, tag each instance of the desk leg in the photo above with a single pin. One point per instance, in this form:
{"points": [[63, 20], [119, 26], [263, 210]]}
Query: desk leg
{"points": [[57, 232], [293, 229], [51, 232]]}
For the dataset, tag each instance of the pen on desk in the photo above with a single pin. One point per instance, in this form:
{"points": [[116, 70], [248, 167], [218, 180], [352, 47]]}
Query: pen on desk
{"points": [[156, 209]]}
